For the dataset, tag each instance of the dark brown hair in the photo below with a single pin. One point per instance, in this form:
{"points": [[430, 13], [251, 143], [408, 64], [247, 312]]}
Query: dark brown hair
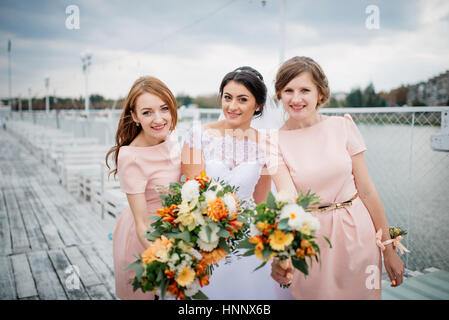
{"points": [[252, 80]]}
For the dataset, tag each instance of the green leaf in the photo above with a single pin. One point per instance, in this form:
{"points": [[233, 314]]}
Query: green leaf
{"points": [[328, 241], [160, 275], [301, 265], [248, 253], [208, 232], [183, 178], [223, 245], [164, 284], [223, 233], [261, 266], [283, 224], [266, 252], [245, 244], [200, 296], [185, 236], [137, 267], [271, 201]]}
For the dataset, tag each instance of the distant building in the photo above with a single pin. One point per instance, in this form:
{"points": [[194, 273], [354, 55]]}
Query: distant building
{"points": [[434, 92]]}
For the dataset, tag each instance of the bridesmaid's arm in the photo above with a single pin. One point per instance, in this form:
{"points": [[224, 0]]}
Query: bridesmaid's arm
{"points": [[191, 161], [370, 198], [139, 209], [262, 188]]}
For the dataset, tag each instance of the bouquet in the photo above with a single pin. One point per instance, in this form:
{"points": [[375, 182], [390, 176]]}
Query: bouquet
{"points": [[283, 227], [396, 234], [173, 266], [202, 217]]}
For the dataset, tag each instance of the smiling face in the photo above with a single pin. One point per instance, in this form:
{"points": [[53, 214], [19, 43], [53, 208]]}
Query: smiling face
{"points": [[238, 105], [154, 116], [300, 97]]}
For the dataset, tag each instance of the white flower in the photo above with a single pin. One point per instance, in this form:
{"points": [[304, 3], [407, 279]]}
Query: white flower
{"points": [[207, 246], [253, 231], [230, 203], [190, 190], [284, 197], [193, 288], [310, 224], [295, 214], [210, 195], [204, 242], [198, 217]]}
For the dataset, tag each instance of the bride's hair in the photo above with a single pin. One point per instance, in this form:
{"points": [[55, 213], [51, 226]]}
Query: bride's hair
{"points": [[252, 80], [127, 129]]}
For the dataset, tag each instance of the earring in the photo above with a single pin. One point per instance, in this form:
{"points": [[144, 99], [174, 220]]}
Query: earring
{"points": [[137, 124]]}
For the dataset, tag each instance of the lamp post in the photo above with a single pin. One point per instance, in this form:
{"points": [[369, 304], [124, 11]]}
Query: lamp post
{"points": [[30, 101], [9, 74], [47, 98], [86, 59], [282, 32]]}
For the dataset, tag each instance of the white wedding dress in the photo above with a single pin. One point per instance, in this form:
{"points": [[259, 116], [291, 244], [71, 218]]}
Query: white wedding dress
{"points": [[239, 163]]}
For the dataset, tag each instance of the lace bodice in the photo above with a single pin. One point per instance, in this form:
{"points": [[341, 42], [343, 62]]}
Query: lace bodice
{"points": [[238, 162]]}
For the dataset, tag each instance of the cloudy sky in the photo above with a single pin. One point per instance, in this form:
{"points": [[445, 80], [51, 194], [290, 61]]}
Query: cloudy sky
{"points": [[191, 45]]}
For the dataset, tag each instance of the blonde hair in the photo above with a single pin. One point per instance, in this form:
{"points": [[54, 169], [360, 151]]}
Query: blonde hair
{"points": [[293, 67], [127, 129]]}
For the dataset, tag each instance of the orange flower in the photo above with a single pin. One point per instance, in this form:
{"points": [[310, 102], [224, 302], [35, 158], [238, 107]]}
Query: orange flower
{"points": [[300, 253], [234, 227], [212, 257], [169, 274], [265, 227], [200, 269], [157, 247], [310, 251], [168, 214], [204, 280], [202, 179], [305, 244], [258, 241], [217, 210], [175, 291]]}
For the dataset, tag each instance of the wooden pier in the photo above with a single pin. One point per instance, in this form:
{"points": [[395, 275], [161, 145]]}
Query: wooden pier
{"points": [[48, 235], [54, 246]]}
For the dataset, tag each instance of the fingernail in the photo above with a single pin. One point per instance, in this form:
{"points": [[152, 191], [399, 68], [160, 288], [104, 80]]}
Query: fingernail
{"points": [[393, 282]]}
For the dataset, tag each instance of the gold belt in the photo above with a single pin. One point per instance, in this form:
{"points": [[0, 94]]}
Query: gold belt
{"points": [[335, 206]]}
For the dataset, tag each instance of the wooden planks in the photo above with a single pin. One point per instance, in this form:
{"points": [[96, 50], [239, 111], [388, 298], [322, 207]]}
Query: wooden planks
{"points": [[47, 235], [19, 236], [23, 278], [7, 290], [47, 282], [5, 233]]}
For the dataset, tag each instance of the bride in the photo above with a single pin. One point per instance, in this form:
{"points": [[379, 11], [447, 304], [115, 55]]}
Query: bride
{"points": [[233, 151]]}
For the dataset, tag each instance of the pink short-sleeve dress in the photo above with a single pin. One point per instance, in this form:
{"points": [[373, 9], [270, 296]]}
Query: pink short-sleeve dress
{"points": [[319, 158], [140, 170]]}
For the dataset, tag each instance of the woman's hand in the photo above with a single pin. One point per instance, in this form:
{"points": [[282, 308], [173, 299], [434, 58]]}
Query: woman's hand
{"points": [[141, 229], [394, 266], [282, 271]]}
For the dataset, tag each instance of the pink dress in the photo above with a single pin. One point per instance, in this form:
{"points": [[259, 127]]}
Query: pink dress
{"points": [[140, 169], [319, 159]]}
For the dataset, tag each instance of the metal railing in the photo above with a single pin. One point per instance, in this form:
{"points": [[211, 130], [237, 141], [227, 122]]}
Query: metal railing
{"points": [[411, 177]]}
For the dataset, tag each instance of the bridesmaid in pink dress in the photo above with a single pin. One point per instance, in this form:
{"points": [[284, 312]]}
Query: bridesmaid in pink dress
{"points": [[146, 155], [325, 154]]}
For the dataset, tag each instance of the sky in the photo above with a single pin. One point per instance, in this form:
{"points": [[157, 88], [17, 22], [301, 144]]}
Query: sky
{"points": [[191, 45]]}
